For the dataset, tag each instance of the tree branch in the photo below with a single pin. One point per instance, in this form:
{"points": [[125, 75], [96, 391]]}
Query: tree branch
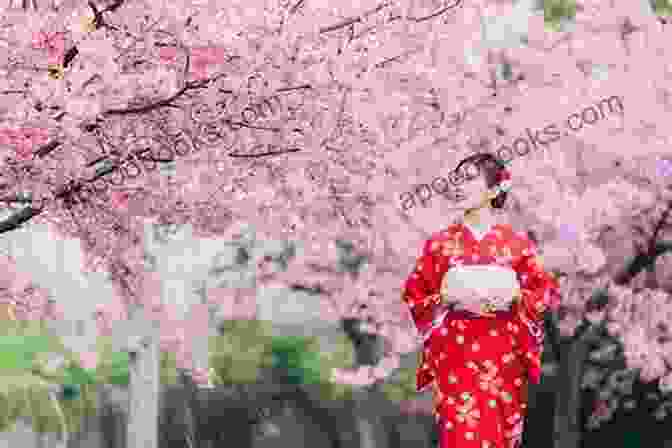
{"points": [[659, 225], [249, 126], [16, 220], [113, 7], [352, 20], [264, 154], [69, 56], [294, 8], [44, 150], [22, 199], [75, 186], [165, 102], [98, 22], [645, 259], [285, 89], [436, 14]]}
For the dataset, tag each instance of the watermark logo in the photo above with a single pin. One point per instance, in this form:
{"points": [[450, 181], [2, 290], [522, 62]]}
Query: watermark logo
{"points": [[117, 163], [507, 153]]}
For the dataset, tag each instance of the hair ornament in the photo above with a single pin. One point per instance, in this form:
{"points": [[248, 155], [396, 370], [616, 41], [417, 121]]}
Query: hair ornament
{"points": [[503, 182]]}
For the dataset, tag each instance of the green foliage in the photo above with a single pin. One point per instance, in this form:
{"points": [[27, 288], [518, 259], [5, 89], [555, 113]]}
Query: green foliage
{"points": [[661, 7], [402, 386], [303, 362], [557, 12], [298, 357], [84, 404], [238, 354], [24, 383], [22, 342], [16, 398], [246, 348], [17, 353], [168, 368], [76, 375], [70, 392], [342, 356], [112, 367], [306, 363], [119, 369]]}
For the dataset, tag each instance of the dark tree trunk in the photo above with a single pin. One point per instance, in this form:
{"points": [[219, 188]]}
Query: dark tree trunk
{"points": [[568, 406]]}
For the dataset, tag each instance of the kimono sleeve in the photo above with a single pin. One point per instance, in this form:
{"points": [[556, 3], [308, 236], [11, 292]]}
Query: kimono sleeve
{"points": [[538, 291], [421, 290], [421, 294]]}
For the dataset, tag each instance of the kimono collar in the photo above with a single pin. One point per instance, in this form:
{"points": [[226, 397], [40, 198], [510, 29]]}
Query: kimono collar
{"points": [[479, 232]]}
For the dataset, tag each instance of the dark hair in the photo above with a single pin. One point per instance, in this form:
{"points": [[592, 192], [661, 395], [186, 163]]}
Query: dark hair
{"points": [[490, 166]]}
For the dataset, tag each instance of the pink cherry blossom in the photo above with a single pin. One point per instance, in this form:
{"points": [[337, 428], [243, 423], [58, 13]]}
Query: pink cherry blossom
{"points": [[54, 43], [201, 376], [24, 140], [119, 199], [201, 58], [88, 360]]}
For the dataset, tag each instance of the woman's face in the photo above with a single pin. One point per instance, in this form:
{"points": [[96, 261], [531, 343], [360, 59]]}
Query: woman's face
{"points": [[471, 193]]}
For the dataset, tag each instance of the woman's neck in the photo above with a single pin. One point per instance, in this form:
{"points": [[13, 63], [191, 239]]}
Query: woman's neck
{"points": [[481, 217]]}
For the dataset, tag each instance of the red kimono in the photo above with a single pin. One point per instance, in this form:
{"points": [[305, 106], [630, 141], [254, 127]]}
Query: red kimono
{"points": [[478, 365]]}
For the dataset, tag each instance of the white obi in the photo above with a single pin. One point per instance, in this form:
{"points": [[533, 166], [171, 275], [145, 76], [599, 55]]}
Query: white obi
{"points": [[477, 288], [468, 284]]}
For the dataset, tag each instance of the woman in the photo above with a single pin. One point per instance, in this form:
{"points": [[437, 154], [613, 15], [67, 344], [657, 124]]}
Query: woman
{"points": [[477, 296]]}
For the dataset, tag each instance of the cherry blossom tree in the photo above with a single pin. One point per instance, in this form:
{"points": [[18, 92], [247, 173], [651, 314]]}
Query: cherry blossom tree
{"points": [[26, 301], [308, 120]]}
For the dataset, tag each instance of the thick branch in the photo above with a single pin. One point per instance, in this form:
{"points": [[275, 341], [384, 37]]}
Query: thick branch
{"points": [[436, 14], [23, 199], [69, 56], [294, 8], [249, 126], [165, 102], [16, 220], [659, 226], [351, 20], [264, 154], [643, 260], [44, 150], [113, 7], [26, 214], [289, 89]]}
